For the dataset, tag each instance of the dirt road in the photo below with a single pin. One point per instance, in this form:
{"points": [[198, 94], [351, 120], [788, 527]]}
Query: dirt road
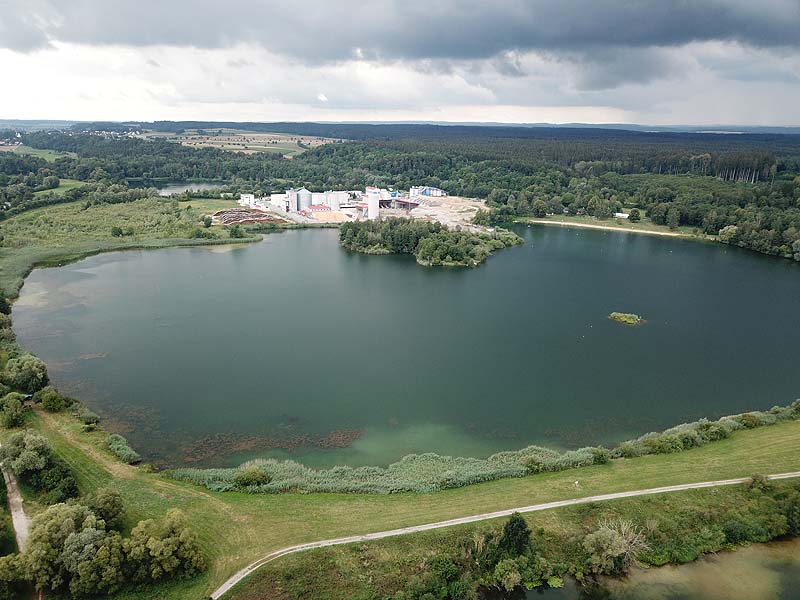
{"points": [[20, 520], [225, 587], [607, 227]]}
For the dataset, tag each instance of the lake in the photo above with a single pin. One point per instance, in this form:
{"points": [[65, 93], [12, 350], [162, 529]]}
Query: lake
{"points": [[170, 189], [295, 348]]}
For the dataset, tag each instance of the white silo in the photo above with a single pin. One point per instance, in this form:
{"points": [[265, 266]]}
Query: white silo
{"points": [[373, 206], [303, 198]]}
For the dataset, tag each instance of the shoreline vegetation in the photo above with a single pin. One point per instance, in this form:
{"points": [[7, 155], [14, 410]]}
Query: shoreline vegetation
{"points": [[585, 222], [595, 544], [429, 472], [431, 243]]}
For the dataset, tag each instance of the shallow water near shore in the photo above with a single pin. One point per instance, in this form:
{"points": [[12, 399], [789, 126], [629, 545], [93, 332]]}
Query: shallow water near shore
{"points": [[758, 572], [295, 348]]}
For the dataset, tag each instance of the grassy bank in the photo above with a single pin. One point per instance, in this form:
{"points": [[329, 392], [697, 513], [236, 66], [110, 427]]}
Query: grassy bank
{"points": [[679, 527], [56, 235], [237, 528]]}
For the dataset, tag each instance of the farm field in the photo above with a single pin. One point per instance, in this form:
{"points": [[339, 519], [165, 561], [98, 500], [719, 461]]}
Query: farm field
{"points": [[245, 142]]}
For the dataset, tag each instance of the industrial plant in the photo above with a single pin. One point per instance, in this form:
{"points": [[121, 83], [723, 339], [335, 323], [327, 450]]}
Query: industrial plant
{"points": [[302, 205]]}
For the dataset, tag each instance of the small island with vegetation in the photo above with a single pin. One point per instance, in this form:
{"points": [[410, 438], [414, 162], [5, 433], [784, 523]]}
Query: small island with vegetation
{"points": [[626, 318], [433, 244]]}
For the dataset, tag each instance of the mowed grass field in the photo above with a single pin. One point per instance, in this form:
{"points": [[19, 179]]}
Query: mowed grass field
{"points": [[48, 155], [237, 528], [64, 186]]}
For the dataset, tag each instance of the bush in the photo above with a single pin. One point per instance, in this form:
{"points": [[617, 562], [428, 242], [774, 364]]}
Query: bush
{"points": [[601, 456], [12, 410], [12, 577], [759, 483], [164, 549], [203, 234], [516, 536], [736, 531], [107, 504], [250, 476], [613, 547], [119, 446], [26, 373], [30, 456], [50, 399], [71, 548], [87, 417]]}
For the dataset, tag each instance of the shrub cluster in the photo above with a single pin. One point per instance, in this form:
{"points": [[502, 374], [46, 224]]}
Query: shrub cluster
{"points": [[491, 565], [431, 472], [87, 417], [25, 373], [119, 446], [72, 549], [587, 542], [51, 400], [12, 410], [32, 459]]}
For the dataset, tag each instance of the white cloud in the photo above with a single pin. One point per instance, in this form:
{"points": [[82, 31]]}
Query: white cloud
{"points": [[247, 82]]}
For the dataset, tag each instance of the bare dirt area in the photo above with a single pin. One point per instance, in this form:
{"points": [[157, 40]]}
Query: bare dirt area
{"points": [[452, 211], [244, 216]]}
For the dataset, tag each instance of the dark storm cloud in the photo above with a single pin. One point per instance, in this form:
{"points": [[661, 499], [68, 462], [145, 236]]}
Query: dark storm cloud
{"points": [[400, 29]]}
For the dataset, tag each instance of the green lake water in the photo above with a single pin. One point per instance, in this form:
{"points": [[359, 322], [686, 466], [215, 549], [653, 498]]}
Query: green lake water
{"points": [[293, 347]]}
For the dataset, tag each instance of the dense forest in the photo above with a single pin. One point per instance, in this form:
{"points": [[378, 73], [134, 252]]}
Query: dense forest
{"points": [[745, 186]]}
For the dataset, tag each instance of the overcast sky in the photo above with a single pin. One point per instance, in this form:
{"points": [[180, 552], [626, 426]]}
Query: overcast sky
{"points": [[595, 61]]}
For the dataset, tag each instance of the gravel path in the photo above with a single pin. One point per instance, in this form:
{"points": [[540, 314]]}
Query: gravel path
{"points": [[225, 587], [20, 520]]}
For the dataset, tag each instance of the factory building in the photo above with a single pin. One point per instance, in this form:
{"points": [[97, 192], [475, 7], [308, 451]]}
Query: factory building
{"points": [[367, 203], [425, 190], [336, 199]]}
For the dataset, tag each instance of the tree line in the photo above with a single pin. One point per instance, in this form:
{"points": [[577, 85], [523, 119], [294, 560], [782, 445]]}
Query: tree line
{"points": [[709, 183]]}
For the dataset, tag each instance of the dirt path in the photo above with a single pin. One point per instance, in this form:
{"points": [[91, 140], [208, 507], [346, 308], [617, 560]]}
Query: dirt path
{"points": [[225, 587], [607, 228], [20, 520]]}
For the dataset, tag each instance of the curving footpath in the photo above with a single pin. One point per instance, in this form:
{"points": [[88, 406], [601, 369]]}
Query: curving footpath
{"points": [[225, 587]]}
